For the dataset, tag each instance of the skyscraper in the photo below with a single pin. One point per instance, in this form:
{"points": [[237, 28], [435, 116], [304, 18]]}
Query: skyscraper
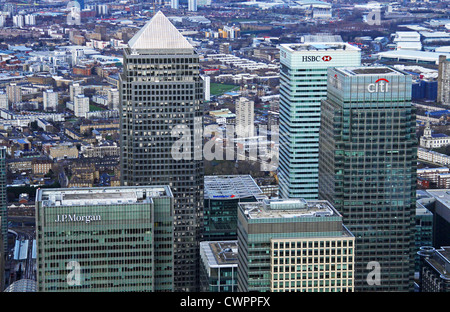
{"points": [[303, 83], [106, 239], [367, 170], [3, 200], [161, 101]]}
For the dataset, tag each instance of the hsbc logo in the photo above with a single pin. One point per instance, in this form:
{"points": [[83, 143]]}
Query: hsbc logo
{"points": [[379, 86], [318, 58]]}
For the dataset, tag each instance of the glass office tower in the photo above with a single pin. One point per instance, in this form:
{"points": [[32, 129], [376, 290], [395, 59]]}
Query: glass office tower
{"points": [[293, 245], [3, 200], [113, 239], [223, 193], [303, 84], [367, 170], [161, 123]]}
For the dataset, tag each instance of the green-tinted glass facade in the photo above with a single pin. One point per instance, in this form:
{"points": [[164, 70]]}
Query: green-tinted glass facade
{"points": [[3, 200], [113, 240], [367, 170], [223, 193], [220, 218]]}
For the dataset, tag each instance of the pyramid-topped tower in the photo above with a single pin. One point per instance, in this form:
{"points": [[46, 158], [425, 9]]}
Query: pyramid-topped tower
{"points": [[159, 34], [160, 89]]}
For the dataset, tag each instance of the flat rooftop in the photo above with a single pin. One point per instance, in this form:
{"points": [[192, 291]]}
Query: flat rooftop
{"points": [[441, 261], [100, 196], [442, 195], [319, 46], [220, 253], [231, 187], [289, 208], [369, 71]]}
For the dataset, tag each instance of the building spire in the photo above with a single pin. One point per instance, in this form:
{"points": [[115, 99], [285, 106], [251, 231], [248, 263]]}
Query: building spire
{"points": [[159, 34]]}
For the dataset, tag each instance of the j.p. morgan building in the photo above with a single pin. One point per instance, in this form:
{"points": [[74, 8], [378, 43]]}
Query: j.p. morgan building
{"points": [[111, 239]]}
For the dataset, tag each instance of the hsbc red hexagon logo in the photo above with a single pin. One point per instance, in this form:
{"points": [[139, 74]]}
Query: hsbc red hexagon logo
{"points": [[326, 58]]}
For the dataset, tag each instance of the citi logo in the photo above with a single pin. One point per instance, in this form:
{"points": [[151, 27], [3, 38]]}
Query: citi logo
{"points": [[381, 85], [314, 58]]}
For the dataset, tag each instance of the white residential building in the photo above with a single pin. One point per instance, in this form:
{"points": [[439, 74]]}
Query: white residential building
{"points": [[192, 5], [245, 116], [80, 105], [18, 21], [50, 100], [4, 103]]}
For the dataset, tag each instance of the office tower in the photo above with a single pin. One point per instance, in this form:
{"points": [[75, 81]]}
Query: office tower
{"points": [[303, 83], [440, 208], [50, 100], [444, 80], [2, 260], [218, 267], [174, 4], [434, 275], [423, 232], [161, 120], [80, 105], [3, 200], [367, 170], [2, 20], [293, 245], [107, 239], [192, 5], [245, 118], [14, 93], [223, 193]]}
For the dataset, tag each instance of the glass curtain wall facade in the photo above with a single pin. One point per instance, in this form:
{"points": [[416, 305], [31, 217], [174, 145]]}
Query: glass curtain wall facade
{"points": [[303, 84], [367, 170], [108, 240], [161, 110], [3, 201]]}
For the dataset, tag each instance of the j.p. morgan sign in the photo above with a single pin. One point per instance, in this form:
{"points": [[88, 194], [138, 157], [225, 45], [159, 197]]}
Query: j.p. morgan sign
{"points": [[76, 218]]}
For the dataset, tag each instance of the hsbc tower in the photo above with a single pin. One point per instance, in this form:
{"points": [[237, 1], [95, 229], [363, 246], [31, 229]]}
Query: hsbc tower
{"points": [[303, 84]]}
